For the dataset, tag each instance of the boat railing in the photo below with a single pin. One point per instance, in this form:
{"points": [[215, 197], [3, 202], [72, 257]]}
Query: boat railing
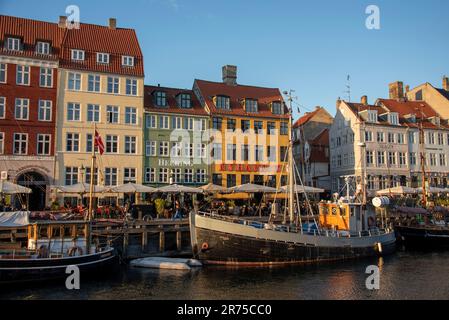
{"points": [[294, 229]]}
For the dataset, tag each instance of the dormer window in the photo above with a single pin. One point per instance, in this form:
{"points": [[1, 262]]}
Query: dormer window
{"points": [[127, 61], [103, 57], [43, 47], [435, 120], [222, 102], [251, 105], [184, 100], [410, 117], [393, 118], [77, 55], [276, 107], [13, 44], [160, 98], [372, 116]]}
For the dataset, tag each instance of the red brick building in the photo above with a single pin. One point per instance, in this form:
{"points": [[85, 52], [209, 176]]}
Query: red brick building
{"points": [[29, 52]]}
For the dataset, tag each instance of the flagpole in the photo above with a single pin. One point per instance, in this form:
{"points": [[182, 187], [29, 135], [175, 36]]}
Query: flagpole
{"points": [[90, 213]]}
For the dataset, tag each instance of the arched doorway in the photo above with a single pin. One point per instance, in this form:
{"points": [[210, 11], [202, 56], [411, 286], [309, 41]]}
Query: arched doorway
{"points": [[38, 184]]}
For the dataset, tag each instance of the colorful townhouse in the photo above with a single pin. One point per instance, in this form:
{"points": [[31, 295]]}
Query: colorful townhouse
{"points": [[100, 85], [249, 131], [29, 52]]}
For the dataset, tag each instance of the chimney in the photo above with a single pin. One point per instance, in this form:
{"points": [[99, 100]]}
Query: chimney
{"points": [[364, 100], [446, 83], [62, 22], [112, 23], [396, 90], [229, 75], [338, 102]]}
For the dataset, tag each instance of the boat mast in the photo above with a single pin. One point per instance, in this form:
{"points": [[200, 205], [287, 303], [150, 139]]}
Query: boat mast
{"points": [[423, 159], [90, 211], [291, 202]]}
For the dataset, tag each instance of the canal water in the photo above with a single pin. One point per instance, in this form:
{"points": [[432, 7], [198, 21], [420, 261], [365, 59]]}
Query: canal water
{"points": [[404, 275]]}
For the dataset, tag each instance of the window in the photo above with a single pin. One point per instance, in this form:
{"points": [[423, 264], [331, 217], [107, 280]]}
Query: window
{"points": [[150, 148], [442, 159], [283, 153], [163, 175], [440, 139], [402, 157], [71, 176], [339, 160], [46, 77], [163, 148], [176, 149], [44, 112], [2, 142], [250, 105], [93, 113], [231, 180], [43, 144], [200, 150], [201, 175], [245, 152], [130, 144], [112, 114], [380, 137], [430, 138], [271, 153], [188, 150], [77, 55], [130, 115], [89, 143], [216, 123], [113, 85], [21, 109], [393, 118], [345, 159], [88, 176], [23, 75], [111, 144], [258, 127], [151, 121], [217, 179], [72, 142], [258, 153], [102, 57], [20, 143], [338, 141], [74, 82], [412, 158], [150, 175], [73, 111], [245, 178], [13, 44], [284, 128], [177, 123], [129, 175], [351, 158], [230, 124], [222, 102], [401, 139], [160, 98], [380, 158], [3, 72], [188, 175], [110, 176], [391, 158], [231, 152], [176, 175], [131, 87], [276, 107], [189, 124], [246, 125], [43, 47], [368, 136], [216, 151], [202, 124], [390, 137], [127, 61], [372, 116], [93, 83], [271, 127], [369, 157], [2, 107], [433, 159], [411, 137], [184, 100], [164, 122]]}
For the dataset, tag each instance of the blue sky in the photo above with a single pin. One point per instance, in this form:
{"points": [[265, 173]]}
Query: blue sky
{"points": [[308, 46]]}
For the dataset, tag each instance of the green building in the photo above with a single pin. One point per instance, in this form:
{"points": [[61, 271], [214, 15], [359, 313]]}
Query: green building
{"points": [[175, 134]]}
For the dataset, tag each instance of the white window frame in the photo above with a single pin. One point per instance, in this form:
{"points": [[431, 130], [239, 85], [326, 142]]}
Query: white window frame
{"points": [[150, 175], [150, 148], [23, 72], [115, 85], [46, 77], [164, 149], [22, 107], [95, 81], [127, 61], [2, 142], [109, 174], [21, 140], [165, 123], [77, 55], [95, 111], [43, 47], [112, 141], [76, 111], [102, 57], [129, 175], [46, 106], [2, 107], [130, 141], [13, 44], [164, 175], [131, 87], [149, 119], [44, 142], [188, 175], [131, 113], [115, 112], [76, 81], [178, 123], [4, 71], [75, 137]]}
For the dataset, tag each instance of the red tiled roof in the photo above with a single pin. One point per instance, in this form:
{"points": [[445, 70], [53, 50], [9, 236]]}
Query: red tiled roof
{"points": [[409, 107], [95, 39], [237, 93], [172, 104], [305, 118], [322, 139], [318, 147], [30, 31]]}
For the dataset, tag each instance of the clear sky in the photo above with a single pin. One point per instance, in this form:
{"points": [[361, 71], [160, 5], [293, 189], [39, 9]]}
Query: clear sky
{"points": [[308, 46]]}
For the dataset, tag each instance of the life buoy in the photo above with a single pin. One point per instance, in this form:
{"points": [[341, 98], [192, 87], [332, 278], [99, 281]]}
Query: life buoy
{"points": [[74, 251], [204, 246]]}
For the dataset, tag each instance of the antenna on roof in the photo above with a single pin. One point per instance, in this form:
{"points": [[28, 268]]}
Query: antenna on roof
{"points": [[348, 87]]}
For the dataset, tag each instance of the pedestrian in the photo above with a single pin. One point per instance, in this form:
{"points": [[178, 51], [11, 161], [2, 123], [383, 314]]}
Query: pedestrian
{"points": [[178, 213]]}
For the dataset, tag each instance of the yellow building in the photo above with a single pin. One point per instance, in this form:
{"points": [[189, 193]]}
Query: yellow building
{"points": [[250, 131], [100, 83]]}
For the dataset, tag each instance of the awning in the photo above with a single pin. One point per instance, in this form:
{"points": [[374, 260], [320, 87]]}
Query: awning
{"points": [[81, 188], [176, 188], [14, 219], [132, 188], [252, 188], [302, 189], [400, 190], [8, 187]]}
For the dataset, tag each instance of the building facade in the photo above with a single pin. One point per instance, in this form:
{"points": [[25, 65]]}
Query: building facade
{"points": [[100, 85], [438, 98], [249, 131], [176, 128], [28, 93]]}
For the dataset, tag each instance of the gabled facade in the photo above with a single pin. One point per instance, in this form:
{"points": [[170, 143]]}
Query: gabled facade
{"points": [[438, 98], [176, 127]]}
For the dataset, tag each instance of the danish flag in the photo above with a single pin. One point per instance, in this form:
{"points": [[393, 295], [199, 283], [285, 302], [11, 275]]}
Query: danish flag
{"points": [[99, 143]]}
